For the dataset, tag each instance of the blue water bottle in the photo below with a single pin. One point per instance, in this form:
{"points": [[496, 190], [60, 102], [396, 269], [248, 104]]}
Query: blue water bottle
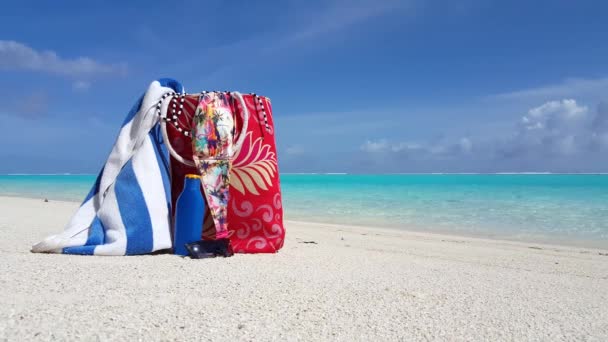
{"points": [[189, 211]]}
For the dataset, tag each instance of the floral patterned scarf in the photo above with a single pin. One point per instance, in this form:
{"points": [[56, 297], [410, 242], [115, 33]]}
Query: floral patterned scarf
{"points": [[213, 138]]}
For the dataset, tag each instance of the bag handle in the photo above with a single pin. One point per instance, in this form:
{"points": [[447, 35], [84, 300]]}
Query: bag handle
{"points": [[237, 144]]}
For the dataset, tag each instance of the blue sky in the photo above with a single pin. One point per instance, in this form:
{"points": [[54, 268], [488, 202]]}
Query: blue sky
{"points": [[356, 86]]}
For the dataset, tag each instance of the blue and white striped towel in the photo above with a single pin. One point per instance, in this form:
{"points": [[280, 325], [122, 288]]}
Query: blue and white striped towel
{"points": [[127, 211]]}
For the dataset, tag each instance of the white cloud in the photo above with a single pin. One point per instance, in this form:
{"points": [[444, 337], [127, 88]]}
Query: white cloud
{"points": [[556, 128], [339, 15], [554, 115], [567, 88], [375, 146], [466, 145], [294, 150], [600, 140], [440, 149], [403, 146], [600, 122], [304, 25], [81, 85], [18, 56], [599, 127]]}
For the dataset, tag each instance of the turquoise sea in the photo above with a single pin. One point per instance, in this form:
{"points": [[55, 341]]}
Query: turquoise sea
{"points": [[569, 209]]}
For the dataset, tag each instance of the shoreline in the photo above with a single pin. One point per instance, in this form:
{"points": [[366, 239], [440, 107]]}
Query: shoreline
{"points": [[574, 243], [437, 235]]}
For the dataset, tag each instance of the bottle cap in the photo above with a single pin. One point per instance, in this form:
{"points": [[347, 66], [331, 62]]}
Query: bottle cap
{"points": [[193, 176]]}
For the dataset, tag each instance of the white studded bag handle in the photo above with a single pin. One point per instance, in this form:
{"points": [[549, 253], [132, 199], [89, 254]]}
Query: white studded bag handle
{"points": [[237, 144]]}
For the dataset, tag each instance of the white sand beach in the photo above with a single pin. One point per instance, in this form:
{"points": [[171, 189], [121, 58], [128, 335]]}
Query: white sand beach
{"points": [[328, 283]]}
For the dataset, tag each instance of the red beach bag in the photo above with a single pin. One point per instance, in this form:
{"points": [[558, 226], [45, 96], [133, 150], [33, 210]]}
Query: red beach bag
{"points": [[255, 211]]}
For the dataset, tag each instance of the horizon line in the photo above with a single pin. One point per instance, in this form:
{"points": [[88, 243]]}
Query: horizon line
{"points": [[355, 173]]}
